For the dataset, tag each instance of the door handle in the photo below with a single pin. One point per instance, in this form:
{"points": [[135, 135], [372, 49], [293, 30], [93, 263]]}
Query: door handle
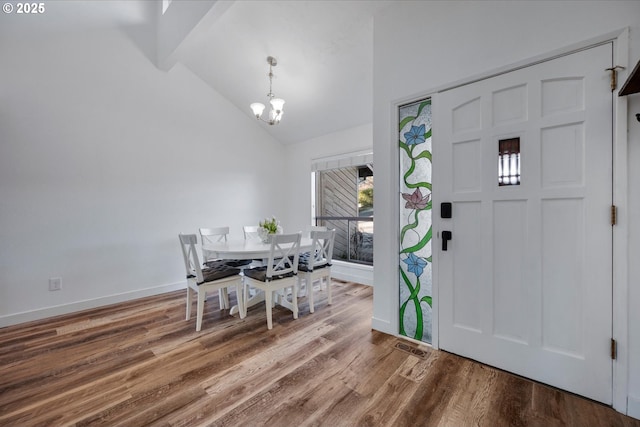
{"points": [[446, 236]]}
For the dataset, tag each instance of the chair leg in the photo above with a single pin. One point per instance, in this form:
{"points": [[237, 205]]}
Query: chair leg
{"points": [[189, 297], [239, 296], [294, 300], [302, 290], [310, 293], [268, 301], [200, 308], [245, 297], [223, 297], [328, 279]]}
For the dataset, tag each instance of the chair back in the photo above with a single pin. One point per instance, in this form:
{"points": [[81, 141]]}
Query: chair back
{"points": [[284, 255], [190, 255], [213, 235], [251, 232], [313, 228], [322, 250]]}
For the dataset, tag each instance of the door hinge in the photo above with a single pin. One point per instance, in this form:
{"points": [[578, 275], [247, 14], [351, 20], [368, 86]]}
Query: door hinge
{"points": [[614, 215], [614, 76], [614, 349]]}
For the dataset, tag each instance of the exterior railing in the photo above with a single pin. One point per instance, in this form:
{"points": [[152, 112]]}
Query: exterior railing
{"points": [[354, 237]]}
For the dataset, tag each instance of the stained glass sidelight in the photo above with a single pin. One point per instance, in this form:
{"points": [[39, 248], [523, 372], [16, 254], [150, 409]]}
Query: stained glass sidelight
{"points": [[414, 136]]}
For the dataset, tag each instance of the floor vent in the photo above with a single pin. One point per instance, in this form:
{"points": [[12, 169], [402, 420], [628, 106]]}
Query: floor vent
{"points": [[411, 349]]}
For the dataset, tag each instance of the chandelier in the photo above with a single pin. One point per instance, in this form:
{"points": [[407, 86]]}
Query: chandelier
{"points": [[275, 115]]}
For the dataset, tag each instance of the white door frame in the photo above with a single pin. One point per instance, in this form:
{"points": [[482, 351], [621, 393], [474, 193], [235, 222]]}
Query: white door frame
{"points": [[620, 310]]}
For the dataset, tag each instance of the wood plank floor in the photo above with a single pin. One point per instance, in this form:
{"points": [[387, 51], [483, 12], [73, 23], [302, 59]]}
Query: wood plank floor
{"points": [[140, 363]]}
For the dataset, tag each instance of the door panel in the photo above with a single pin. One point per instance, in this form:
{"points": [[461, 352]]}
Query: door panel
{"points": [[509, 285], [467, 290], [525, 283]]}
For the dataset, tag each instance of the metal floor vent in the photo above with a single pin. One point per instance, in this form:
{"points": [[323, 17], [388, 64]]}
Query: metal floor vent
{"points": [[412, 349]]}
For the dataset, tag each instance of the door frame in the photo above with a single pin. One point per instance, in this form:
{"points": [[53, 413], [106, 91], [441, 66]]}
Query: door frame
{"points": [[620, 312]]}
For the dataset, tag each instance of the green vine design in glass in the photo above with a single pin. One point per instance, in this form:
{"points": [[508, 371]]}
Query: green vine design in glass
{"points": [[415, 220]]}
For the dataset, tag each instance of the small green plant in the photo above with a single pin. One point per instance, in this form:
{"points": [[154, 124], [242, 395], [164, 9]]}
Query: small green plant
{"points": [[271, 225]]}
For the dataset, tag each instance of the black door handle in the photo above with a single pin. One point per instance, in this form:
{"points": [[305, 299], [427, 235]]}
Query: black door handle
{"points": [[446, 236]]}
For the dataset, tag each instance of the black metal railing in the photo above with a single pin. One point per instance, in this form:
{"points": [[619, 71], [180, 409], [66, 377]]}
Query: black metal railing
{"points": [[354, 237]]}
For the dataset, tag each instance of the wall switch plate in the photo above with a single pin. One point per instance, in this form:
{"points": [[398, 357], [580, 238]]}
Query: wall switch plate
{"points": [[55, 283]]}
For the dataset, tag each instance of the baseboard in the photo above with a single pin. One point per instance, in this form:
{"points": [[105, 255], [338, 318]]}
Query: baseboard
{"points": [[633, 407], [350, 272], [43, 313], [413, 340], [382, 326]]}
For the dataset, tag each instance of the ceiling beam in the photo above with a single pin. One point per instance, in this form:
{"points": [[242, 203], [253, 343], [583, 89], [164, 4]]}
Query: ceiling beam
{"points": [[181, 20]]}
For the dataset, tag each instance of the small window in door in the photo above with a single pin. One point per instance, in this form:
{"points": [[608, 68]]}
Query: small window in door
{"points": [[509, 161]]}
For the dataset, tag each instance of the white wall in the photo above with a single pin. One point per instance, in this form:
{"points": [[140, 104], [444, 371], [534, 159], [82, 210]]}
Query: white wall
{"points": [[421, 46], [299, 158], [103, 160]]}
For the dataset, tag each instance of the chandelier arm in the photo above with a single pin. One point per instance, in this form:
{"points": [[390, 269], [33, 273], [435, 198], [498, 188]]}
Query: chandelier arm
{"points": [[271, 122]]}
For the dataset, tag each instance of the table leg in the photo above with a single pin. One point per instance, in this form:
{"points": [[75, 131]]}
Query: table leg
{"points": [[257, 298]]}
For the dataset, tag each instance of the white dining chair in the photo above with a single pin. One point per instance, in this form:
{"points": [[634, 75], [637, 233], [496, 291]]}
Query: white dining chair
{"points": [[213, 235], [316, 265], [251, 232], [312, 228], [203, 280], [277, 275]]}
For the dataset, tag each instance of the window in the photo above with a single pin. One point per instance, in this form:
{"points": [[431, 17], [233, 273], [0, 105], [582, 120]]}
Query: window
{"points": [[344, 201], [509, 161]]}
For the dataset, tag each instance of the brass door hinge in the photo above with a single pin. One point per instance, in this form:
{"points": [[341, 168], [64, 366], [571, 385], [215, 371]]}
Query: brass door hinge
{"points": [[614, 349], [614, 215], [614, 76]]}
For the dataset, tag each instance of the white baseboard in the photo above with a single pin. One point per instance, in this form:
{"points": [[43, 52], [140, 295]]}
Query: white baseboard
{"points": [[350, 272], [43, 313], [382, 326], [633, 407]]}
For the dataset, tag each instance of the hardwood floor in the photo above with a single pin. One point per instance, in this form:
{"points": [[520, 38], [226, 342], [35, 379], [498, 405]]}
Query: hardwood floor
{"points": [[140, 363]]}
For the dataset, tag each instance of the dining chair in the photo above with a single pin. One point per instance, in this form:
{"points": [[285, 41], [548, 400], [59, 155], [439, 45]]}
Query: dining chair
{"points": [[203, 280], [316, 265], [213, 235], [251, 232], [316, 228], [278, 274]]}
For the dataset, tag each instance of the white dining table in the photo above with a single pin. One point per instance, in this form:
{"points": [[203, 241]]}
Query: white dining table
{"points": [[250, 249]]}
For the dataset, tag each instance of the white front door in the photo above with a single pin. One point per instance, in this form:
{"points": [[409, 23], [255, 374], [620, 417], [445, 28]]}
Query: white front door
{"points": [[526, 281]]}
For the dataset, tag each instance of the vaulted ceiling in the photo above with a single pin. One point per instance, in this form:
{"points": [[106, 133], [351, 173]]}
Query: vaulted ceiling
{"points": [[324, 50], [325, 61]]}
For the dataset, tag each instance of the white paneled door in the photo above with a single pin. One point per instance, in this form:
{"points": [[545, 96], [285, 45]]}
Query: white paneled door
{"points": [[525, 284]]}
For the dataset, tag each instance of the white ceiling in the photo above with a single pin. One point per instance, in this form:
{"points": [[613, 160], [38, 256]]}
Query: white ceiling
{"points": [[324, 50], [73, 15], [325, 60]]}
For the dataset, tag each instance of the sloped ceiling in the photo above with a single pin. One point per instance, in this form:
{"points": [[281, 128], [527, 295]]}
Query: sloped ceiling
{"points": [[324, 50], [325, 61]]}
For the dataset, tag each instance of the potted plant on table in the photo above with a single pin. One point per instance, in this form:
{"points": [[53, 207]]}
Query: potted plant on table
{"points": [[267, 227]]}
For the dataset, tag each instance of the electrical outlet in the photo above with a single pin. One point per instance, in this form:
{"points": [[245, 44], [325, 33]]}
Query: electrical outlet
{"points": [[55, 283]]}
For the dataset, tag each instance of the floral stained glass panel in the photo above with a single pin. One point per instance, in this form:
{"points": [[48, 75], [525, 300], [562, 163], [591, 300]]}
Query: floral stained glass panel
{"points": [[414, 139]]}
